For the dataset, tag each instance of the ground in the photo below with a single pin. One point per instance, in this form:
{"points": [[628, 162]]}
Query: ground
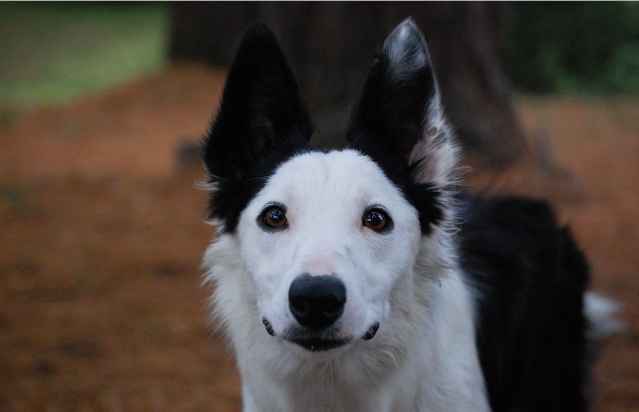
{"points": [[102, 233]]}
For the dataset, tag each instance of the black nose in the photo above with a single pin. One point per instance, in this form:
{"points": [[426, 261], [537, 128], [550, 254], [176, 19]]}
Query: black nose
{"points": [[316, 301]]}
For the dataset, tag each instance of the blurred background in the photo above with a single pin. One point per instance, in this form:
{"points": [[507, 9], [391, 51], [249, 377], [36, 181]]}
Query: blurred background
{"points": [[101, 228]]}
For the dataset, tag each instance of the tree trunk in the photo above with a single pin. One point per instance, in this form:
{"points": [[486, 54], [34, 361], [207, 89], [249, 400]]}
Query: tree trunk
{"points": [[331, 44]]}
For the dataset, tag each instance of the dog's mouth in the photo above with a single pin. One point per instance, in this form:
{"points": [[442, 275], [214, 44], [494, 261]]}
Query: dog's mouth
{"points": [[319, 340], [320, 344]]}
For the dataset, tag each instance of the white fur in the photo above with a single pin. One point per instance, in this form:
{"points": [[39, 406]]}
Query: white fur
{"points": [[601, 314], [406, 51], [423, 357]]}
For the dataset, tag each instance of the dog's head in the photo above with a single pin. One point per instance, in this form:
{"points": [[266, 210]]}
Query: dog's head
{"points": [[321, 240]]}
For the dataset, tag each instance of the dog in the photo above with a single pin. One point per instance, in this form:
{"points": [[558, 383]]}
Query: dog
{"points": [[363, 279]]}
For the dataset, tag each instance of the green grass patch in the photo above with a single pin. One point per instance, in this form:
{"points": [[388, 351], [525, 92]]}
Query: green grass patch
{"points": [[55, 52]]}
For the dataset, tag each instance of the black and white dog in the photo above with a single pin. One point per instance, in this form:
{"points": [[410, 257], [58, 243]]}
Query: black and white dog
{"points": [[359, 279]]}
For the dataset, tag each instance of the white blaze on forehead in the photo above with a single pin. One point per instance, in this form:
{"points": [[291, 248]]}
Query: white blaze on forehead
{"points": [[337, 184]]}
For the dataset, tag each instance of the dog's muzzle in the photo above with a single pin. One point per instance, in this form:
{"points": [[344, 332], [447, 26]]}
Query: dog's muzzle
{"points": [[317, 303]]}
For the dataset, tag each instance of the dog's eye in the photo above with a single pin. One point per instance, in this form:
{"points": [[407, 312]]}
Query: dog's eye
{"points": [[377, 220], [274, 217]]}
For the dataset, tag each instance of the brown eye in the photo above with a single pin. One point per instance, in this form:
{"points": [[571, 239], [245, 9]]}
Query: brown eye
{"points": [[274, 217], [377, 220]]}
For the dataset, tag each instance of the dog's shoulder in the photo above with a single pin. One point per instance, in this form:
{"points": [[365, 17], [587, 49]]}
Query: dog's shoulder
{"points": [[520, 234], [529, 277]]}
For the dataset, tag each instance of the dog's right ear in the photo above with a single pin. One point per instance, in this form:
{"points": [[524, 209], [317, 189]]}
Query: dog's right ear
{"points": [[261, 109], [399, 115]]}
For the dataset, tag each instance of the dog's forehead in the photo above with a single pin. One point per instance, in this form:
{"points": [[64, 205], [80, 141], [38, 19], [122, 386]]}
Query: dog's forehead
{"points": [[335, 175]]}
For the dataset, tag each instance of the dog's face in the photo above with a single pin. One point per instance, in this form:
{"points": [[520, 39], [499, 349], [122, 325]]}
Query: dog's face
{"points": [[324, 238]]}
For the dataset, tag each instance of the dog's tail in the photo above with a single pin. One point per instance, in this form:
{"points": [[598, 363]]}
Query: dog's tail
{"points": [[601, 314]]}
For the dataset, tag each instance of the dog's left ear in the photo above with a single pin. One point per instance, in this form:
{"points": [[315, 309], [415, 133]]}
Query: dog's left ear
{"points": [[399, 114], [261, 121]]}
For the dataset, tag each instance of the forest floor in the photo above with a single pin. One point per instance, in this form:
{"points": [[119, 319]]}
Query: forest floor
{"points": [[102, 235]]}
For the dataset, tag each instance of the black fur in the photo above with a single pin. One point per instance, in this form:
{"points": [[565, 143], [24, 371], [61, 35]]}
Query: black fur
{"points": [[389, 119], [531, 278], [425, 197], [262, 121]]}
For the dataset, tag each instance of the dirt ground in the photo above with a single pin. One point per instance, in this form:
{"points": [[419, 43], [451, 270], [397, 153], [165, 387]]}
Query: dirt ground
{"points": [[101, 236]]}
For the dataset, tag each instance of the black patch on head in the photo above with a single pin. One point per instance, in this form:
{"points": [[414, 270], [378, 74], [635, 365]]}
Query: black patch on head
{"points": [[390, 117], [425, 197], [232, 195], [262, 122]]}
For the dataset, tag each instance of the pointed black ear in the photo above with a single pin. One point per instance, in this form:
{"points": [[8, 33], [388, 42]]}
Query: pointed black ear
{"points": [[262, 120], [399, 113], [261, 109]]}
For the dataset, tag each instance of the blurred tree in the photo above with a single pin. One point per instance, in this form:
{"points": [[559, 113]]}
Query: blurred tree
{"points": [[575, 47], [330, 45]]}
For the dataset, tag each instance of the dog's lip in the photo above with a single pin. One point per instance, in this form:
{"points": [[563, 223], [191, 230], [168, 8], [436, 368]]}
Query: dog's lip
{"points": [[268, 326], [371, 332], [316, 340], [320, 344], [323, 342]]}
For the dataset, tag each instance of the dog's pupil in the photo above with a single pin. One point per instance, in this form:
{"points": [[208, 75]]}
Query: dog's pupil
{"points": [[375, 220], [275, 217]]}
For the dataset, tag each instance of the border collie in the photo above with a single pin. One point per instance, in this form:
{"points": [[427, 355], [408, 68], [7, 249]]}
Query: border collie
{"points": [[361, 279]]}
